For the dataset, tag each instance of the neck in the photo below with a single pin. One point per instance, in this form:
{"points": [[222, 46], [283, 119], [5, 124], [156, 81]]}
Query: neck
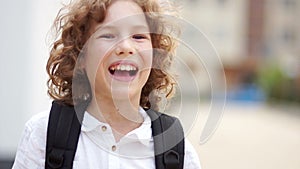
{"points": [[122, 115], [106, 110]]}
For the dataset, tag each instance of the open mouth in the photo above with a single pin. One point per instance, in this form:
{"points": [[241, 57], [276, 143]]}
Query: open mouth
{"points": [[123, 71]]}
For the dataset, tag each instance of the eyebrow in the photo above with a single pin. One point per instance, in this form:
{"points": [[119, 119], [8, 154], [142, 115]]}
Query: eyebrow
{"points": [[137, 26]]}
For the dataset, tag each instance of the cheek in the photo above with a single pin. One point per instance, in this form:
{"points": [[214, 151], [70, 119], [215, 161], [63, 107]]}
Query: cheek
{"points": [[92, 62], [96, 53], [147, 54], [150, 59]]}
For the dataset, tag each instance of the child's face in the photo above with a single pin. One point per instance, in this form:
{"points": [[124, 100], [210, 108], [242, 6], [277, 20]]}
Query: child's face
{"points": [[119, 53]]}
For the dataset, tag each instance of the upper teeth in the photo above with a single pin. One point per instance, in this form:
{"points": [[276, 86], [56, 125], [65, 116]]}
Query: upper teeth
{"points": [[123, 67]]}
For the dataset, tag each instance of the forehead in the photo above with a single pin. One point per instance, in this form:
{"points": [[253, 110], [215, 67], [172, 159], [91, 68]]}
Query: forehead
{"points": [[124, 11], [122, 14]]}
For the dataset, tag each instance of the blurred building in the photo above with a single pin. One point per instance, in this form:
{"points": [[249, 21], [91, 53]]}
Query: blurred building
{"points": [[251, 28], [282, 29], [282, 44], [282, 34], [249, 33], [224, 22]]}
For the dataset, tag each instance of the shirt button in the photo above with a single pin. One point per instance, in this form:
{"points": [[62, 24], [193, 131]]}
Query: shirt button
{"points": [[104, 128], [114, 148]]}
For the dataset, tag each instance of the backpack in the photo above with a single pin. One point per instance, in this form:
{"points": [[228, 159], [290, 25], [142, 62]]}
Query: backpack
{"points": [[64, 127]]}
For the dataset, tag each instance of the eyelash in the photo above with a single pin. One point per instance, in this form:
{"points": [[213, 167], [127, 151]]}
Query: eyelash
{"points": [[107, 36], [136, 36], [139, 36]]}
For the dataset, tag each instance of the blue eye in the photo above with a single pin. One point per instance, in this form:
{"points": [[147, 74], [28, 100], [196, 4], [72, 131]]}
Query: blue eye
{"points": [[139, 36], [107, 36]]}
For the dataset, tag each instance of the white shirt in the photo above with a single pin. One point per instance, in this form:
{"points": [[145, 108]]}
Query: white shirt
{"points": [[97, 148]]}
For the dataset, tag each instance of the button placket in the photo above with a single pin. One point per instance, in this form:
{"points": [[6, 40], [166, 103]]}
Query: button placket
{"points": [[103, 128], [114, 160], [113, 148]]}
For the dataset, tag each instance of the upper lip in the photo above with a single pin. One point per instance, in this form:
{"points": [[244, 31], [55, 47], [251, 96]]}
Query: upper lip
{"points": [[123, 62]]}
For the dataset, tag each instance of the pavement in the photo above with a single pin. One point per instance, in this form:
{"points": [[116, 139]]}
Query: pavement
{"points": [[250, 136]]}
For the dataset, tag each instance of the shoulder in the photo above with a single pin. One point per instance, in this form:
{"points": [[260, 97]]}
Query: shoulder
{"points": [[156, 115], [36, 128], [38, 121], [191, 159], [31, 148]]}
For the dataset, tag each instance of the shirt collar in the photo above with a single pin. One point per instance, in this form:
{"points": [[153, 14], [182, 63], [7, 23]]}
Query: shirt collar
{"points": [[142, 133]]}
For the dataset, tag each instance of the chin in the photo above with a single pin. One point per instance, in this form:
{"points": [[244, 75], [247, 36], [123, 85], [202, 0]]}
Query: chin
{"points": [[125, 93]]}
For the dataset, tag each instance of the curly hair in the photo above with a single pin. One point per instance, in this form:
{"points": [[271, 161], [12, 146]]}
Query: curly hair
{"points": [[72, 26]]}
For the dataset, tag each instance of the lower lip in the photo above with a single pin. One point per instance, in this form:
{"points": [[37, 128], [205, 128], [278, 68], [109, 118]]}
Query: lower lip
{"points": [[123, 78]]}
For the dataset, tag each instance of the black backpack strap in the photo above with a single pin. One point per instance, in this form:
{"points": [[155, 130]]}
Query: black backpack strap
{"points": [[64, 129], [168, 138], [62, 136]]}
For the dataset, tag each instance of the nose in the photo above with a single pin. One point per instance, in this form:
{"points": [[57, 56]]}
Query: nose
{"points": [[125, 48]]}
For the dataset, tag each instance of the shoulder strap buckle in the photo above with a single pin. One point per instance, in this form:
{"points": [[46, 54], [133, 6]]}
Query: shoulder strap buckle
{"points": [[55, 158], [171, 159]]}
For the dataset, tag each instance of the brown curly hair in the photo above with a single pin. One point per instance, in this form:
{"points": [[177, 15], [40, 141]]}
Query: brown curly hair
{"points": [[72, 26]]}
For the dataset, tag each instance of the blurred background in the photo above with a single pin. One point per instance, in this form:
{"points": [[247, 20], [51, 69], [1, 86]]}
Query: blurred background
{"points": [[258, 43]]}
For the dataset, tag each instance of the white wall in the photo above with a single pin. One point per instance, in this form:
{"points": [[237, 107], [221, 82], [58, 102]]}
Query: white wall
{"points": [[225, 25], [24, 53]]}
